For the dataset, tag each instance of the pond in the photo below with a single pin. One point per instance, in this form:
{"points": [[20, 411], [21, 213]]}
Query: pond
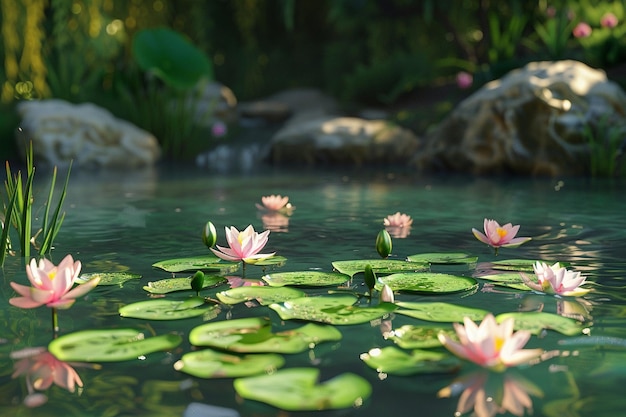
{"points": [[126, 222]]}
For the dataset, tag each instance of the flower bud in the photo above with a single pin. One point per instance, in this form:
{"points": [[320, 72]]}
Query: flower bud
{"points": [[370, 277], [386, 294], [209, 235], [197, 282], [383, 243]]}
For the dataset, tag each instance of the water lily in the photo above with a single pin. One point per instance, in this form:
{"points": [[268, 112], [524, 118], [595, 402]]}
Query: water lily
{"points": [[398, 225], [243, 246], [498, 236], [276, 203], [555, 279], [386, 294], [490, 345]]}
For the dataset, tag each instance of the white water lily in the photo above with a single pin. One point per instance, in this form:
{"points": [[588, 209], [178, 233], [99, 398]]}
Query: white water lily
{"points": [[556, 279]]}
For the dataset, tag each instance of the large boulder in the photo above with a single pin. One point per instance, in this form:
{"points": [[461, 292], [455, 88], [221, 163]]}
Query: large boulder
{"points": [[84, 133], [535, 120]]}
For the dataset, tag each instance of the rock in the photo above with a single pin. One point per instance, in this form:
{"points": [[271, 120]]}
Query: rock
{"points": [[342, 140], [535, 120], [87, 134]]}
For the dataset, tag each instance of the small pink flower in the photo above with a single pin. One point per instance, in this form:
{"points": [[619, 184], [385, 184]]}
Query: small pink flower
{"points": [[219, 129], [555, 279], [582, 30], [243, 246], [398, 225], [609, 20], [498, 236], [275, 202], [464, 80]]}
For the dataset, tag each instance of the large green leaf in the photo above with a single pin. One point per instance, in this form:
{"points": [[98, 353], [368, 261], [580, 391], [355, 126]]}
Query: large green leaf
{"points": [[332, 309], [254, 334], [440, 312], [305, 278], [162, 309], [427, 282], [168, 285], [391, 360], [108, 278], [109, 345], [444, 258], [264, 295], [197, 263], [208, 363], [171, 57], [296, 389], [536, 321], [379, 266], [506, 279], [418, 337]]}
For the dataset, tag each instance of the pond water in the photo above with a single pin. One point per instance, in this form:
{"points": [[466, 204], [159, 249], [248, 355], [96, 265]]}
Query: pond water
{"points": [[128, 221]]}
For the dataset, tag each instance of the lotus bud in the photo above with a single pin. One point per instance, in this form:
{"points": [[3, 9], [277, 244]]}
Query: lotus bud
{"points": [[197, 282], [209, 235], [383, 244], [386, 294], [370, 277]]}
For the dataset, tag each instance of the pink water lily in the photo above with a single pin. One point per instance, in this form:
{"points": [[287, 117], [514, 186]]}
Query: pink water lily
{"points": [[243, 246], [275, 203], [398, 225], [490, 345], [555, 279], [498, 236], [51, 285]]}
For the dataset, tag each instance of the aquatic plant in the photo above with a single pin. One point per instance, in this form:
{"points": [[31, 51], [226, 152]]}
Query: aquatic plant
{"points": [[276, 203], [498, 236], [243, 246], [555, 279]]}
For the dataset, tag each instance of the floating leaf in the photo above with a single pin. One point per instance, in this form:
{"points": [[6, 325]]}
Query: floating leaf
{"points": [[296, 389], [208, 363], [168, 285], [109, 345], [108, 278], [418, 337], [394, 361], [195, 263], [440, 312], [507, 279], [271, 261], [379, 266], [427, 282], [161, 309], [333, 309], [305, 278], [264, 295], [444, 258], [254, 334], [536, 321], [525, 265]]}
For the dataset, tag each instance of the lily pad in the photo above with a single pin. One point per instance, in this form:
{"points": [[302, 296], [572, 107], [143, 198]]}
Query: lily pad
{"points": [[394, 361], [162, 309], [109, 345], [444, 258], [332, 309], [379, 266], [271, 261], [297, 389], [264, 295], [108, 278], [197, 263], [418, 337], [525, 265], [427, 283], [305, 278], [507, 279], [440, 312], [208, 363], [536, 321], [254, 334], [168, 285]]}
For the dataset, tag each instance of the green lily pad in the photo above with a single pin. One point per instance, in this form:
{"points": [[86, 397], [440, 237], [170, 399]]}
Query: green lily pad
{"points": [[254, 334], [379, 266], [440, 312], [197, 263], [444, 258], [271, 261], [536, 321], [162, 309], [164, 286], [296, 389], [109, 345], [418, 337], [394, 361], [108, 278], [524, 265], [427, 283], [208, 363], [332, 309], [264, 295], [506, 279], [305, 278]]}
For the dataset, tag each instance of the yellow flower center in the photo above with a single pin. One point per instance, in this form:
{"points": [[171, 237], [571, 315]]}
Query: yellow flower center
{"points": [[52, 274], [501, 232], [498, 342]]}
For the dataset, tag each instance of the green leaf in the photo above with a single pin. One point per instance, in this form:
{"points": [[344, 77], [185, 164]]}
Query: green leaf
{"points": [[379, 266], [168, 285], [254, 334], [440, 312], [536, 321], [427, 283], [525, 265], [108, 278], [418, 337], [195, 263], [271, 261], [305, 278], [333, 309], [208, 363], [264, 295], [161, 309], [109, 345], [394, 361], [296, 389], [444, 258], [507, 279]]}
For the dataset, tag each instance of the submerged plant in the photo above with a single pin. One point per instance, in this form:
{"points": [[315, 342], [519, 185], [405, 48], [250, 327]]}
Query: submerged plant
{"points": [[555, 279], [498, 236]]}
